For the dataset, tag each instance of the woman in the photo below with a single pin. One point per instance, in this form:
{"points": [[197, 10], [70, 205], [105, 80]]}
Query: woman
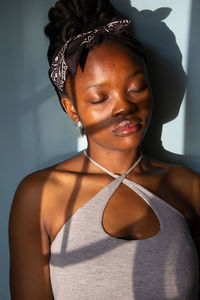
{"points": [[109, 223]]}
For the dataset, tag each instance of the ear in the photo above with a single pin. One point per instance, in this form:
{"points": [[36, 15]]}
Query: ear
{"points": [[68, 106]]}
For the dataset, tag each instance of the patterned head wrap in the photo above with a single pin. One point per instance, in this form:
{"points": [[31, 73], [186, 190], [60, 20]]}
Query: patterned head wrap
{"points": [[68, 58]]}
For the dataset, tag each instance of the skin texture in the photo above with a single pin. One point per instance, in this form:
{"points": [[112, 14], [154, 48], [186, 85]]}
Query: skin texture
{"points": [[112, 87]]}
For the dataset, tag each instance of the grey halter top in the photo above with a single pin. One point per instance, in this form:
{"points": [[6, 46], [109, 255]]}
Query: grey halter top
{"points": [[87, 263]]}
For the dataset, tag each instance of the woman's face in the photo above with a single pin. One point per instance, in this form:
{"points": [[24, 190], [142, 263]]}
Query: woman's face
{"points": [[112, 97]]}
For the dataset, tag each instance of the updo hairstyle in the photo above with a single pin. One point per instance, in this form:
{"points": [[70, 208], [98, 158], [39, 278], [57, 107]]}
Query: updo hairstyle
{"points": [[69, 18]]}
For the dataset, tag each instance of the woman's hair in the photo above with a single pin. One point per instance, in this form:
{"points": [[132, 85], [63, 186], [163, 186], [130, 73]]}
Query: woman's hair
{"points": [[71, 17]]}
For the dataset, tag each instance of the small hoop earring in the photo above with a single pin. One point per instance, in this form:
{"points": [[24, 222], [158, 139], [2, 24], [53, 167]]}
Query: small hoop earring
{"points": [[81, 129]]}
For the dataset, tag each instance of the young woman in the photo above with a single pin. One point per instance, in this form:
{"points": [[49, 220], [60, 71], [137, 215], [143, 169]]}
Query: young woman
{"points": [[109, 223]]}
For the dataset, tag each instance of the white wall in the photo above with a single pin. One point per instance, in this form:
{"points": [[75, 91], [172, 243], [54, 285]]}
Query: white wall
{"points": [[34, 131]]}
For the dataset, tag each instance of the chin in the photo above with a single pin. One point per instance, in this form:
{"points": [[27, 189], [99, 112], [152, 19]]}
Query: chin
{"points": [[124, 145], [129, 142], [118, 143]]}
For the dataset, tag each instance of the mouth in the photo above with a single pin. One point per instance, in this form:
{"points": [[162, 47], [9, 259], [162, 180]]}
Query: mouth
{"points": [[127, 127]]}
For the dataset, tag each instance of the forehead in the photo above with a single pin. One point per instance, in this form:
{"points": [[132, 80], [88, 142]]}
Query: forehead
{"points": [[111, 53], [109, 60]]}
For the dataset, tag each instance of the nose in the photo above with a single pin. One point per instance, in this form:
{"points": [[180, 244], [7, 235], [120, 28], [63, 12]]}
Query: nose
{"points": [[123, 106]]}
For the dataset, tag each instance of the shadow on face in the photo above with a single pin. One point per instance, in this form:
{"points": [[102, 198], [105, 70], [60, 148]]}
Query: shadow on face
{"points": [[166, 73], [112, 87]]}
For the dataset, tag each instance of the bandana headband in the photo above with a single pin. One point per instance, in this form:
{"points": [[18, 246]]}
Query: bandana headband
{"points": [[68, 58]]}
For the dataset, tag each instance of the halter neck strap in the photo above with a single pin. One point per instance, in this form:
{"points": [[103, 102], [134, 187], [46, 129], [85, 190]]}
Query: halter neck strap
{"points": [[109, 172]]}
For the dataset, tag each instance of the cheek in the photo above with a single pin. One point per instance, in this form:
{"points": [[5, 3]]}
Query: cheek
{"points": [[94, 118], [145, 103]]}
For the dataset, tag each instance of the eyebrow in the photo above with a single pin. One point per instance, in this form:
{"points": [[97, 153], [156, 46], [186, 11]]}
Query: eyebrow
{"points": [[98, 85]]}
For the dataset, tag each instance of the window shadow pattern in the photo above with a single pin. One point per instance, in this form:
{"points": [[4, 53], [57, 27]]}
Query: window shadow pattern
{"points": [[165, 63], [166, 106]]}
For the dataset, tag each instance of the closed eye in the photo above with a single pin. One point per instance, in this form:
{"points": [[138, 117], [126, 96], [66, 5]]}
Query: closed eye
{"points": [[140, 89], [138, 86], [99, 100]]}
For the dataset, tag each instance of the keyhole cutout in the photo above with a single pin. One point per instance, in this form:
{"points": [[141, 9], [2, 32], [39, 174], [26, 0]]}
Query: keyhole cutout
{"points": [[128, 216]]}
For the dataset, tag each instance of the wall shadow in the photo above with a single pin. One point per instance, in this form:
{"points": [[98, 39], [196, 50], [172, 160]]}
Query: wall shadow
{"points": [[167, 76]]}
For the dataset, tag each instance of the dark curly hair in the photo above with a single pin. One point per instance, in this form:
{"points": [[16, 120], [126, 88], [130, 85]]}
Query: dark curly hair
{"points": [[71, 17]]}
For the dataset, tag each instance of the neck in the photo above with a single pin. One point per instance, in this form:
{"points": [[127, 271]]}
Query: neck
{"points": [[117, 162]]}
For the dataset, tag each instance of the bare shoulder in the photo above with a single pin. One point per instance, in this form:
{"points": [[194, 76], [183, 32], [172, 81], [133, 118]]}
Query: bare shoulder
{"points": [[26, 213], [32, 189], [28, 232], [43, 195], [188, 182], [174, 170], [183, 180], [34, 183]]}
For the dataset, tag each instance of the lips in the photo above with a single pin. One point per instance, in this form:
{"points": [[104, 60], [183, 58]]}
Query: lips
{"points": [[127, 127]]}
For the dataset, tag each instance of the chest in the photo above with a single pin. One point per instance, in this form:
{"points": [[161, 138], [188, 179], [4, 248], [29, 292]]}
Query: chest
{"points": [[135, 268], [125, 215]]}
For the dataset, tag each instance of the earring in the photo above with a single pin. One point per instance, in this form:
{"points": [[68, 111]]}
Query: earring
{"points": [[80, 127]]}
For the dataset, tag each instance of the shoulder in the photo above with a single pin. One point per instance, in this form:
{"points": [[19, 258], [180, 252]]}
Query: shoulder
{"points": [[184, 181], [27, 206], [34, 190], [42, 189], [187, 182], [34, 184]]}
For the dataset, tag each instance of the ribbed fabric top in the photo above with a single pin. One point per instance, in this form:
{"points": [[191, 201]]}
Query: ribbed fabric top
{"points": [[87, 263]]}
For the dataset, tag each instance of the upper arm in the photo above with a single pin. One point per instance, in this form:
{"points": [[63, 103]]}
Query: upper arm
{"points": [[190, 186], [29, 244], [187, 184]]}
